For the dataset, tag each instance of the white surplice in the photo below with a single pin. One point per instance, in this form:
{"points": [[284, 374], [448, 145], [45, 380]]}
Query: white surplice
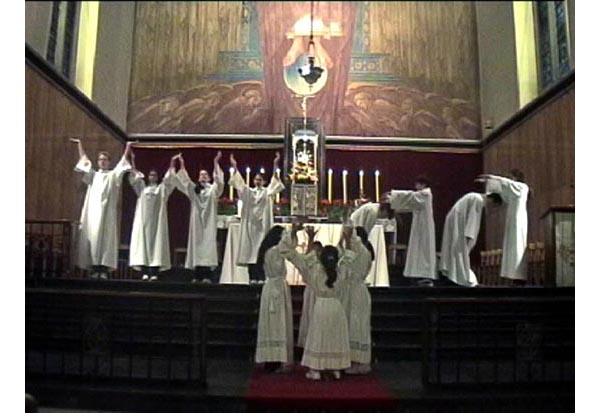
{"points": [[420, 257], [150, 232], [356, 301], [365, 216], [461, 229], [257, 215], [514, 246], [98, 241], [202, 235], [275, 336], [327, 344]]}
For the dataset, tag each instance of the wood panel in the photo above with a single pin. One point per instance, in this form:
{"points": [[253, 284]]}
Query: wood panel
{"points": [[543, 147], [53, 189]]}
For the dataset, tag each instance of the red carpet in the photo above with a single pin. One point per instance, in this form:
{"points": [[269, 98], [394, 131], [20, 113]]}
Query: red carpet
{"points": [[269, 392]]}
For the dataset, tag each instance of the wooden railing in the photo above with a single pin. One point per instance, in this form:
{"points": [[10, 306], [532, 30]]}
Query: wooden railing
{"points": [[500, 341], [49, 246], [488, 273], [106, 335]]}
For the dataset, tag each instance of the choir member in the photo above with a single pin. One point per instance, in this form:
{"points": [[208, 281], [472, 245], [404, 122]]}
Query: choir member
{"points": [[149, 249], [202, 236], [514, 194], [327, 345], [275, 337], [420, 257], [367, 215], [308, 297], [257, 215], [98, 240], [461, 229], [356, 301]]}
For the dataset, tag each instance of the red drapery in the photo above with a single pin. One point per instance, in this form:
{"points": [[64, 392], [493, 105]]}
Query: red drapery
{"points": [[276, 19]]}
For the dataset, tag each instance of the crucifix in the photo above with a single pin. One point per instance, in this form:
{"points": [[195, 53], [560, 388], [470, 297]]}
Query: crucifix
{"points": [[304, 105]]}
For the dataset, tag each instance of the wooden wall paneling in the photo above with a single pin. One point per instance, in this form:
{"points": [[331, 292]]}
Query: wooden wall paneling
{"points": [[53, 189], [543, 147]]}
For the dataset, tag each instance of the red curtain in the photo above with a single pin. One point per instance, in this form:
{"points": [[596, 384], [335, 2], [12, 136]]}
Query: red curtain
{"points": [[276, 19]]}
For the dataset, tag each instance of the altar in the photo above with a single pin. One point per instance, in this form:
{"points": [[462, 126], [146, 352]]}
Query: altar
{"points": [[329, 234]]}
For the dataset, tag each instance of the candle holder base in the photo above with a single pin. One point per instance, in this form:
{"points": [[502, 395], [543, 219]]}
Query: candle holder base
{"points": [[304, 200]]}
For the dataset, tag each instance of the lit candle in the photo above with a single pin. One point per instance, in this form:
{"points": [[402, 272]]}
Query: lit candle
{"points": [[231, 172], [248, 176], [377, 185], [278, 175], [262, 171], [361, 175], [330, 185], [344, 186]]}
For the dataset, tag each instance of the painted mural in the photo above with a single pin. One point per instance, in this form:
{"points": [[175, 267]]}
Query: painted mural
{"points": [[405, 69]]}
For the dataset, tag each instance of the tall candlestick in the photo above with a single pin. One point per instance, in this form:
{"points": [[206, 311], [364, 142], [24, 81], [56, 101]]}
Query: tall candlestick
{"points": [[377, 186], [278, 175], [361, 188], [231, 172], [248, 176], [330, 185], [344, 186]]}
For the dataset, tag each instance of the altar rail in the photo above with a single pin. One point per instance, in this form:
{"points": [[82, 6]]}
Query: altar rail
{"points": [[501, 341], [49, 248], [105, 335], [488, 273]]}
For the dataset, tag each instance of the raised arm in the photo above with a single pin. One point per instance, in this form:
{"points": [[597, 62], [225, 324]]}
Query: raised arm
{"points": [[218, 176], [408, 200], [236, 180], [84, 164], [79, 147]]}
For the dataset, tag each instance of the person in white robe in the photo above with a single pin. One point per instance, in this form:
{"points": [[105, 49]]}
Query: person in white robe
{"points": [[98, 241], [308, 297], [327, 346], [461, 229], [420, 256], [356, 301], [367, 215], [149, 249], [257, 215], [514, 245], [275, 336], [202, 235]]}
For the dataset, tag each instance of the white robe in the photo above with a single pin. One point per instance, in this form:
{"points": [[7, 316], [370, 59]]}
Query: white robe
{"points": [[149, 244], [327, 344], [356, 301], [461, 229], [365, 216], [420, 257], [275, 336], [514, 246], [202, 235], [257, 215], [308, 302], [98, 242]]}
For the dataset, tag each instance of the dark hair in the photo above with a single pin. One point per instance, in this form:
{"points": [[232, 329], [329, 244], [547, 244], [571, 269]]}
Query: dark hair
{"points": [[105, 154], [517, 174], [422, 179], [364, 237], [157, 174], [387, 208], [496, 198], [318, 243], [271, 239], [329, 258]]}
